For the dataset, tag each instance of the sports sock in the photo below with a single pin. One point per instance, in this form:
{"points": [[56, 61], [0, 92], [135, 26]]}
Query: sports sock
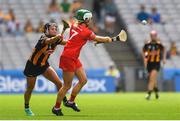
{"points": [[156, 90], [65, 99], [149, 92], [72, 98], [26, 105], [57, 106]]}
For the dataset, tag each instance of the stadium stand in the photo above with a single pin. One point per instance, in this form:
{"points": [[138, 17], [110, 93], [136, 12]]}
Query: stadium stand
{"points": [[16, 50], [168, 31], [92, 57]]}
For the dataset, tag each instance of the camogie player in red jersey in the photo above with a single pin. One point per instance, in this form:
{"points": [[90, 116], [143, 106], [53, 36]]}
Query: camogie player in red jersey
{"points": [[69, 60]]}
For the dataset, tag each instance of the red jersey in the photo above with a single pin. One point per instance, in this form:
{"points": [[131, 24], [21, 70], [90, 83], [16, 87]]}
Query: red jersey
{"points": [[78, 37]]}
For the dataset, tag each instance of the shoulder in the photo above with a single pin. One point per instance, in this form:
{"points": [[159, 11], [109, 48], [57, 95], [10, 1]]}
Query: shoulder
{"points": [[159, 42], [161, 45], [147, 42], [86, 31], [42, 39]]}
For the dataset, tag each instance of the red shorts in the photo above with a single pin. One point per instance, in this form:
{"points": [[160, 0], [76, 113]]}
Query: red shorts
{"points": [[69, 64]]}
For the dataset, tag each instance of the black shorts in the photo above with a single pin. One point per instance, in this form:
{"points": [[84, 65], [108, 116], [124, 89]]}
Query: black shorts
{"points": [[32, 70], [153, 66]]}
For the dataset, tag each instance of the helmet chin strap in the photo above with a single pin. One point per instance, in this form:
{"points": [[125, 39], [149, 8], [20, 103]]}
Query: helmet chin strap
{"points": [[85, 23]]}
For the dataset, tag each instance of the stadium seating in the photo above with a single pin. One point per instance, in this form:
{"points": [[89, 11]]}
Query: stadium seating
{"points": [[16, 50], [169, 31], [92, 57]]}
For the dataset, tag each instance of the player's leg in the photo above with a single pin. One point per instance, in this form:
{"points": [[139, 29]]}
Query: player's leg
{"points": [[67, 77], [150, 84], [156, 90], [81, 75], [152, 79], [27, 95], [51, 75]]}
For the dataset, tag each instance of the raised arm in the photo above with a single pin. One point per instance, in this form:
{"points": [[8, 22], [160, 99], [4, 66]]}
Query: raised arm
{"points": [[53, 39], [63, 42]]}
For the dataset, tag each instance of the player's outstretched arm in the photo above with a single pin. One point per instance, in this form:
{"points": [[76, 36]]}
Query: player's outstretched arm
{"points": [[63, 42], [54, 39], [101, 39], [122, 36]]}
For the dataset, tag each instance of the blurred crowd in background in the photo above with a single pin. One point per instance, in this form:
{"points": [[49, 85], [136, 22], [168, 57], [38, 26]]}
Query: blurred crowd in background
{"points": [[155, 18], [104, 17], [56, 11]]}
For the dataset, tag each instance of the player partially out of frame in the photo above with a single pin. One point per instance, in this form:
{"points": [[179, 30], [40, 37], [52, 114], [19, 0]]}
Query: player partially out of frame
{"points": [[38, 64], [69, 60], [153, 52]]}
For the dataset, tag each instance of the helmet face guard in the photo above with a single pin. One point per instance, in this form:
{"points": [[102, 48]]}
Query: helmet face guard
{"points": [[47, 26], [87, 16]]}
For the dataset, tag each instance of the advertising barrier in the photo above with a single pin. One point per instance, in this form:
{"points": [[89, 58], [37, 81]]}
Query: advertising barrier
{"points": [[15, 82]]}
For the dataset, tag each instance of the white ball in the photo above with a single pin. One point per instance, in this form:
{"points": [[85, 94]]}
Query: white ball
{"points": [[144, 22]]}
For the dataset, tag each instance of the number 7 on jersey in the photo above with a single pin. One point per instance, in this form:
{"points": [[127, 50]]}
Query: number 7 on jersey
{"points": [[74, 33]]}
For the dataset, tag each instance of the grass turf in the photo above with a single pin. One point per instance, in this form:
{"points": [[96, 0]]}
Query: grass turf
{"points": [[95, 107]]}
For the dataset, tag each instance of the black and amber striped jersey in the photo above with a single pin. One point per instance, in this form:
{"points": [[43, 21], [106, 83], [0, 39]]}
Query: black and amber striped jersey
{"points": [[41, 51], [153, 51]]}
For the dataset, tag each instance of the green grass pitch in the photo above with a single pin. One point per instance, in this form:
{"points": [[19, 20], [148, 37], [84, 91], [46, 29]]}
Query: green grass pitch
{"points": [[95, 107]]}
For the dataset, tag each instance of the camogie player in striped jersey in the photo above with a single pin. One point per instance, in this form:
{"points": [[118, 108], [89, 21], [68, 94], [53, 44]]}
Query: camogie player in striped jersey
{"points": [[152, 52], [38, 64]]}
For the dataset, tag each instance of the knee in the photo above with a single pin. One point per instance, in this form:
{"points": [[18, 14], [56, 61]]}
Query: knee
{"points": [[83, 82], [58, 85], [67, 86]]}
